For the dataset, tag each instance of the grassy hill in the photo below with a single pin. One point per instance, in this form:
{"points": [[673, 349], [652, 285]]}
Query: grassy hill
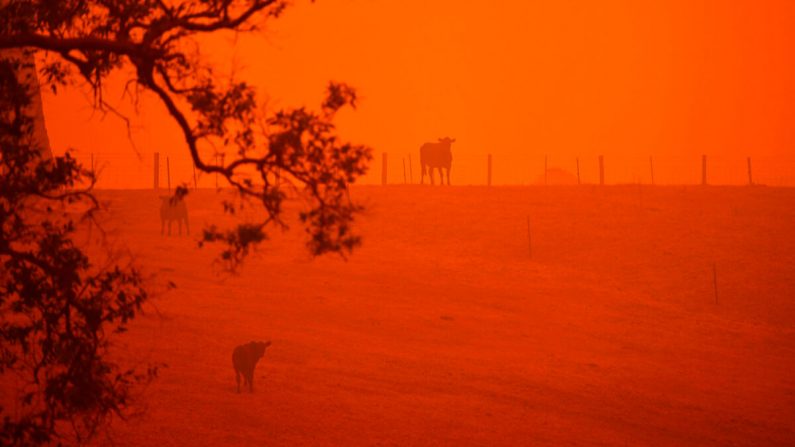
{"points": [[443, 330]]}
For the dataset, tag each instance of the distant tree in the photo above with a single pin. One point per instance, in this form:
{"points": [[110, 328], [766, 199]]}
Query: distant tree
{"points": [[57, 308]]}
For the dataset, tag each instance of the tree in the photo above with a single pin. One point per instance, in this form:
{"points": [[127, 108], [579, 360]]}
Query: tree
{"points": [[58, 308], [98, 37]]}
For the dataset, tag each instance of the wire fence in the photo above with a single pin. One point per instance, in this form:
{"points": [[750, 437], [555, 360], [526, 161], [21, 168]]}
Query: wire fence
{"points": [[478, 169], [136, 170]]}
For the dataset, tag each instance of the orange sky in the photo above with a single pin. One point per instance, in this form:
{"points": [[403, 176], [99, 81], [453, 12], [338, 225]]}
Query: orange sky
{"points": [[517, 79]]}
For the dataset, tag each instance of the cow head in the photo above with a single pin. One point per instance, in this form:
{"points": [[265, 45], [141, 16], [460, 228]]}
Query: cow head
{"points": [[447, 140], [258, 348]]}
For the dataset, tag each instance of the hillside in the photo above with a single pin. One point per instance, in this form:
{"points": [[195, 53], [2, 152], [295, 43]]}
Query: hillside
{"points": [[442, 330]]}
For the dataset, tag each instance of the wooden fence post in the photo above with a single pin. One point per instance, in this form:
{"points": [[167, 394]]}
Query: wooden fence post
{"points": [[529, 238], [546, 170], [195, 183], [488, 180], [651, 166], [750, 176], [168, 175], [601, 170], [383, 168], [157, 171]]}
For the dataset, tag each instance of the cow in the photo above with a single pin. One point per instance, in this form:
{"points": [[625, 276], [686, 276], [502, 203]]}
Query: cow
{"points": [[436, 155], [173, 208], [244, 359]]}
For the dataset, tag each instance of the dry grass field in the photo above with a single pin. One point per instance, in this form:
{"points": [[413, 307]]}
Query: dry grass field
{"points": [[443, 330]]}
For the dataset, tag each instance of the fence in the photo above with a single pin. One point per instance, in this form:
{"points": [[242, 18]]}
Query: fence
{"points": [[127, 169], [163, 170], [487, 169]]}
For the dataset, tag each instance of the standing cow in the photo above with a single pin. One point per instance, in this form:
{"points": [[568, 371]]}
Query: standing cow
{"points": [[173, 208], [436, 155]]}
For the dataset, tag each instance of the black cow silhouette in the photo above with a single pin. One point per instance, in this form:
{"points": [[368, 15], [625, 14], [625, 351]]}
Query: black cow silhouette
{"points": [[244, 359], [173, 209], [436, 155]]}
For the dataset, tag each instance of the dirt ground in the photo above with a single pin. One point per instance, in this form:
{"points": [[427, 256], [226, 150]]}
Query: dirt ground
{"points": [[443, 328]]}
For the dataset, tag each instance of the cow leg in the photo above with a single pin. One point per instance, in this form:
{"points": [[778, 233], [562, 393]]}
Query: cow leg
{"points": [[237, 376], [448, 176], [251, 381], [169, 227], [179, 225], [422, 174], [187, 227], [430, 173], [162, 227]]}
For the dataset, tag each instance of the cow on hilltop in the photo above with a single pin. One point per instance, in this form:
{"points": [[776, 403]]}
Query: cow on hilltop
{"points": [[436, 155]]}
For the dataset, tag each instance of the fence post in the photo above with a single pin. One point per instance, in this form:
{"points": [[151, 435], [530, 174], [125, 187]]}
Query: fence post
{"points": [[488, 181], [651, 165], [195, 183], [703, 170], [404, 172], [157, 171], [750, 177], [168, 174], [529, 238], [383, 168], [546, 170], [601, 170]]}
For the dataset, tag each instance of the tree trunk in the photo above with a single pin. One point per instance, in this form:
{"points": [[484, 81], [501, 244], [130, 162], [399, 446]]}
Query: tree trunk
{"points": [[27, 75]]}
